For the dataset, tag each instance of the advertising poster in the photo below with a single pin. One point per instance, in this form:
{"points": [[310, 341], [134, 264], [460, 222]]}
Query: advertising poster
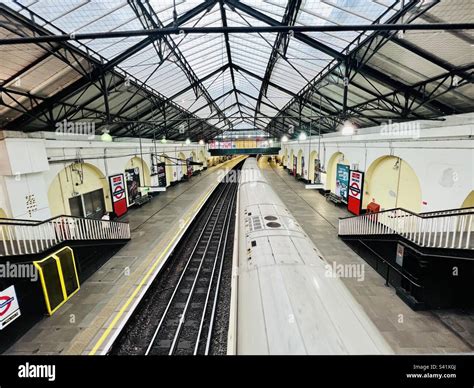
{"points": [[342, 181], [295, 162], [317, 171], [161, 172], [189, 167], [133, 183], [354, 200], [302, 166], [117, 190]]}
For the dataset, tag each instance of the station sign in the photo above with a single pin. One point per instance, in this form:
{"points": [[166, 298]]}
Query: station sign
{"points": [[9, 307], [354, 195], [118, 194]]}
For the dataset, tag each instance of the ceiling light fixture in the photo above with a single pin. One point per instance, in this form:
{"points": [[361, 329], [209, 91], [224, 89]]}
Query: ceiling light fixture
{"points": [[106, 137], [348, 128]]}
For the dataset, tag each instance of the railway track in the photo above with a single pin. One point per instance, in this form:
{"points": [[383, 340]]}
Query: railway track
{"points": [[179, 316]]}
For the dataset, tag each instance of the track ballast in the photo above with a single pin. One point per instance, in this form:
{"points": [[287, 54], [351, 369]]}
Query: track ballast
{"points": [[186, 309]]}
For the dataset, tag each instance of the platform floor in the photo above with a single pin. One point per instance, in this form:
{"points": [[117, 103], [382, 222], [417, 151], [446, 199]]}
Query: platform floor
{"points": [[407, 331], [86, 323]]}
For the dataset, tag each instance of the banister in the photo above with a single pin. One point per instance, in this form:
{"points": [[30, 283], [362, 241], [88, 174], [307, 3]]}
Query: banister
{"points": [[33, 223], [420, 215]]}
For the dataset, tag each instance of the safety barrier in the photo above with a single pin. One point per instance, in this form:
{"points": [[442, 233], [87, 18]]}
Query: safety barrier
{"points": [[19, 237], [443, 229], [59, 278]]}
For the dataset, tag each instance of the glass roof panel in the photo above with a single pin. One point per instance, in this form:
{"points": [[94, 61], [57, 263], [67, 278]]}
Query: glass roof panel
{"points": [[272, 8], [197, 55]]}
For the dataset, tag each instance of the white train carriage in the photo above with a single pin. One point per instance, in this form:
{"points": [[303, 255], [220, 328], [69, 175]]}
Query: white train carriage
{"points": [[287, 303]]}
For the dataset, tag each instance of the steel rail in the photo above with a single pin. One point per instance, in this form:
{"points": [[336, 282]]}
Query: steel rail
{"points": [[198, 272], [214, 305], [225, 234], [183, 273]]}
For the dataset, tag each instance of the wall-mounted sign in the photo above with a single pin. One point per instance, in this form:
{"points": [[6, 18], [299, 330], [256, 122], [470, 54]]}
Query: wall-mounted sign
{"points": [[9, 307], [342, 181], [117, 191], [161, 173], [400, 254], [354, 199]]}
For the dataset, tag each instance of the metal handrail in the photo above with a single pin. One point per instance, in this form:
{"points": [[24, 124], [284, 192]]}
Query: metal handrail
{"points": [[434, 214], [23, 220], [18, 221], [391, 266], [449, 211], [20, 238], [448, 230]]}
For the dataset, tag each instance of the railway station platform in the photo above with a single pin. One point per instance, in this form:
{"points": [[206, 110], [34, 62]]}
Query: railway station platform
{"points": [[88, 322], [407, 331]]}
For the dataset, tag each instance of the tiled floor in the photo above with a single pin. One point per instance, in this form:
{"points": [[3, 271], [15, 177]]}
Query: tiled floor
{"points": [[405, 330], [77, 326]]}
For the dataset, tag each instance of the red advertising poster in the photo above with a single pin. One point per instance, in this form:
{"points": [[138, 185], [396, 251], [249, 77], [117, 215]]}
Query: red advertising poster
{"points": [[354, 195], [117, 190]]}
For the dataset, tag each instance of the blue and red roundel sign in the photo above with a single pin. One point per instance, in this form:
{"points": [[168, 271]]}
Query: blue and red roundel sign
{"points": [[9, 308], [119, 197]]}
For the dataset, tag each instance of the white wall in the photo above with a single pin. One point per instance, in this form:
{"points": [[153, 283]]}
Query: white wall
{"points": [[29, 163], [23, 163], [440, 152]]}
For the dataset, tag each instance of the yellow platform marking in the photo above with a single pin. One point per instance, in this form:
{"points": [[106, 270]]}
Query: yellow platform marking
{"points": [[148, 274]]}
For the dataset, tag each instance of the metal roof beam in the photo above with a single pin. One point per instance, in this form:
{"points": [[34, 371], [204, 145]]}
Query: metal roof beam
{"points": [[279, 47], [149, 18]]}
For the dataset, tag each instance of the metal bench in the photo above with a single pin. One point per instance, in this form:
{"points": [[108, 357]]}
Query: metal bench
{"points": [[333, 198], [141, 200]]}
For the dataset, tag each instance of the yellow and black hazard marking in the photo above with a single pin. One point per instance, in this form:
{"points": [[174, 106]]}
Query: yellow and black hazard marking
{"points": [[59, 278]]}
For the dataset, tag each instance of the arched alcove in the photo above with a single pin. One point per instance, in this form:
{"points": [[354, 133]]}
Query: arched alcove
{"points": [[392, 182], [79, 189]]}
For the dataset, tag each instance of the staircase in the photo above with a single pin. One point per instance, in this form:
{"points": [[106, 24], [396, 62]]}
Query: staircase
{"points": [[427, 257], [26, 237], [449, 229]]}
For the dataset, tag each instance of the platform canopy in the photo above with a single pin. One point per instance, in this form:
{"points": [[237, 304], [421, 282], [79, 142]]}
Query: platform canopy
{"points": [[198, 83]]}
